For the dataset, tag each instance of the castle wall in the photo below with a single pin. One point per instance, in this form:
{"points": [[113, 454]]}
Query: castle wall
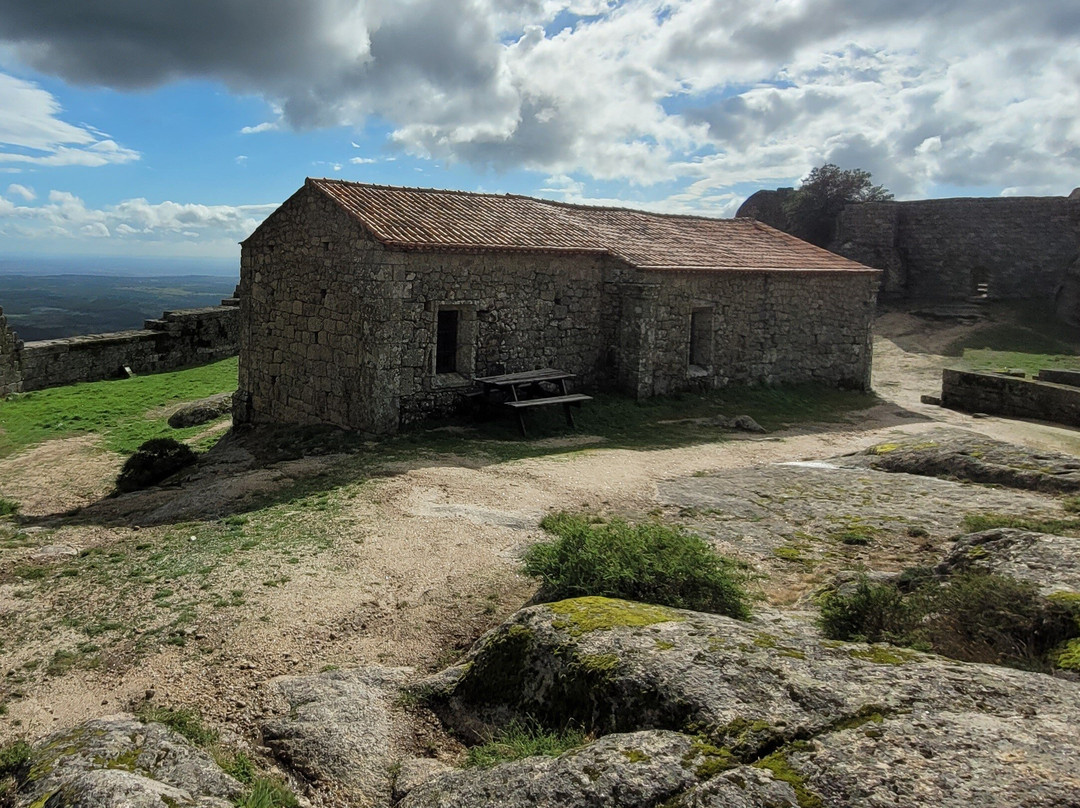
{"points": [[940, 249], [10, 366]]}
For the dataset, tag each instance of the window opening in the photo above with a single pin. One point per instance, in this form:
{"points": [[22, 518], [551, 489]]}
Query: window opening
{"points": [[446, 341], [701, 337]]}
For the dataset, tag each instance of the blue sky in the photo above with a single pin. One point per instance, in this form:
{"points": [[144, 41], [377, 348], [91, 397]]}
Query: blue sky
{"points": [[170, 130]]}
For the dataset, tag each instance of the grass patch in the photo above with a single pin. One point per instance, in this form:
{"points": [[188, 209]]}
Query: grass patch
{"points": [[266, 793], [651, 562], [974, 616], [116, 410], [521, 739], [184, 721], [8, 507], [1059, 526]]}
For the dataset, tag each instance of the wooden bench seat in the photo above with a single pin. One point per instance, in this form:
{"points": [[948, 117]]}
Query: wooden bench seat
{"points": [[571, 398]]}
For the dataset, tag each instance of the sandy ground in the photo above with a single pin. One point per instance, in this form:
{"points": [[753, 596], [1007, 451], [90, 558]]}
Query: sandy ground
{"points": [[419, 562]]}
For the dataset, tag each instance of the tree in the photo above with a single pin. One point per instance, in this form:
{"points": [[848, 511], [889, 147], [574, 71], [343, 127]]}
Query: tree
{"points": [[813, 209]]}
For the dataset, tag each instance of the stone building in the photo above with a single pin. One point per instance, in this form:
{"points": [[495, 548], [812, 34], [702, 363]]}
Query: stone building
{"points": [[370, 306]]}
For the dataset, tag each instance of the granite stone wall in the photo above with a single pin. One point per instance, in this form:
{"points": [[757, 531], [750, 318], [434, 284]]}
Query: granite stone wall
{"points": [[996, 394], [941, 249], [338, 329], [177, 339], [10, 367], [764, 328]]}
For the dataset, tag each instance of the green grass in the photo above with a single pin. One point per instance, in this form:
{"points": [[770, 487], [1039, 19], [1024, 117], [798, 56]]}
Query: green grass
{"points": [[266, 793], [521, 739], [117, 410], [8, 507], [650, 562], [183, 721], [1060, 526]]}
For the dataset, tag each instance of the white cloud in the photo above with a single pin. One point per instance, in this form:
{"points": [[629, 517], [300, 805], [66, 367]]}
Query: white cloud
{"points": [[64, 216], [266, 126], [25, 192], [32, 133], [701, 95]]}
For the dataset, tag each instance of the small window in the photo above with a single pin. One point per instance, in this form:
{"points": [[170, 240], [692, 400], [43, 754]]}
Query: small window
{"points": [[700, 338], [446, 341]]}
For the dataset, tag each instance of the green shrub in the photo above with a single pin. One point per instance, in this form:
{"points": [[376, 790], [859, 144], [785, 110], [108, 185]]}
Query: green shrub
{"points": [[871, 612], [521, 739], [974, 616], [14, 759], [153, 462], [8, 507], [649, 562]]}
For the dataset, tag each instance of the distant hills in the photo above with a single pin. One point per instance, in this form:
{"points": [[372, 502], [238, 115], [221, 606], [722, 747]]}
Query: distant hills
{"points": [[48, 306]]}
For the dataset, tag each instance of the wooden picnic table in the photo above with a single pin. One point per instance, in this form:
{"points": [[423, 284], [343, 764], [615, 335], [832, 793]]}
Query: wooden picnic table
{"points": [[526, 389]]}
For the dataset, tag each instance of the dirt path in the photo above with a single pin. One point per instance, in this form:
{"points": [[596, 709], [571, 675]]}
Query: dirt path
{"points": [[415, 566]]}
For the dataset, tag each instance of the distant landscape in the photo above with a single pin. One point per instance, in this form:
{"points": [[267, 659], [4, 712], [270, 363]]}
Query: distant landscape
{"points": [[63, 305]]}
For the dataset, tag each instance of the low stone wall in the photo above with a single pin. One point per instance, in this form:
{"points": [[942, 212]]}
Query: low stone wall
{"points": [[1069, 377], [1011, 396], [177, 339]]}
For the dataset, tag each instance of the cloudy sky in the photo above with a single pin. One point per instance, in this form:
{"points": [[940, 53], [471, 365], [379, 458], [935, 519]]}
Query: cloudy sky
{"points": [[169, 128]]}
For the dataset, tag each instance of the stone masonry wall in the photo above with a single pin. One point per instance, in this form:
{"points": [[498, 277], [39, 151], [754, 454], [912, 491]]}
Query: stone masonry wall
{"points": [[766, 328], [10, 367], [178, 339], [339, 330], [934, 249], [1011, 396], [320, 314], [521, 311]]}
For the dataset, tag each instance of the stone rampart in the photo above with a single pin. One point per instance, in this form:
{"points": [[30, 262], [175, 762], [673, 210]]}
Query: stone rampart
{"points": [[1012, 396], [177, 339], [1068, 377], [1016, 248], [1000, 248]]}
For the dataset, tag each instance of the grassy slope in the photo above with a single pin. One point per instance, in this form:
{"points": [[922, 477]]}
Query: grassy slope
{"points": [[119, 410]]}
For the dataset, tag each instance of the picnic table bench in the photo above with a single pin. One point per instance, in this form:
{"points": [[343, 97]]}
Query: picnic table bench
{"points": [[526, 389]]}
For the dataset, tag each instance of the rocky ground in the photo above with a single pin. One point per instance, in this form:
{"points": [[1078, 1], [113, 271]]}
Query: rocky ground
{"points": [[295, 605]]}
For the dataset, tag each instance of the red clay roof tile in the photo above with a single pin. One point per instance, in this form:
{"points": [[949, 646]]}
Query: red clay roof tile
{"points": [[418, 218]]}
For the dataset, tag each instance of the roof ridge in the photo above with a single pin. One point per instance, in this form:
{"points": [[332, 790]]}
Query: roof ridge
{"points": [[414, 188]]}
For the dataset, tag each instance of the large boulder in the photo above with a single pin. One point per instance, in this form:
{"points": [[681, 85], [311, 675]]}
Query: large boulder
{"points": [[1050, 562], [121, 762], [634, 770], [336, 731], [772, 694], [201, 411], [976, 458]]}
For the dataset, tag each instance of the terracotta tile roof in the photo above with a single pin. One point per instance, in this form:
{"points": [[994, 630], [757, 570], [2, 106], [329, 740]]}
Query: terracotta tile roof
{"points": [[416, 218]]}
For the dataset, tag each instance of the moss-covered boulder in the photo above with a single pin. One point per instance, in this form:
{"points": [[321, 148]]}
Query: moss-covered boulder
{"points": [[773, 695], [123, 762]]}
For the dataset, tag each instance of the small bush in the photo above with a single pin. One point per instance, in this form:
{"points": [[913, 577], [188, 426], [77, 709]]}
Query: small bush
{"points": [[649, 562], [8, 507], [15, 759], [871, 612], [975, 617], [522, 739], [153, 462]]}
